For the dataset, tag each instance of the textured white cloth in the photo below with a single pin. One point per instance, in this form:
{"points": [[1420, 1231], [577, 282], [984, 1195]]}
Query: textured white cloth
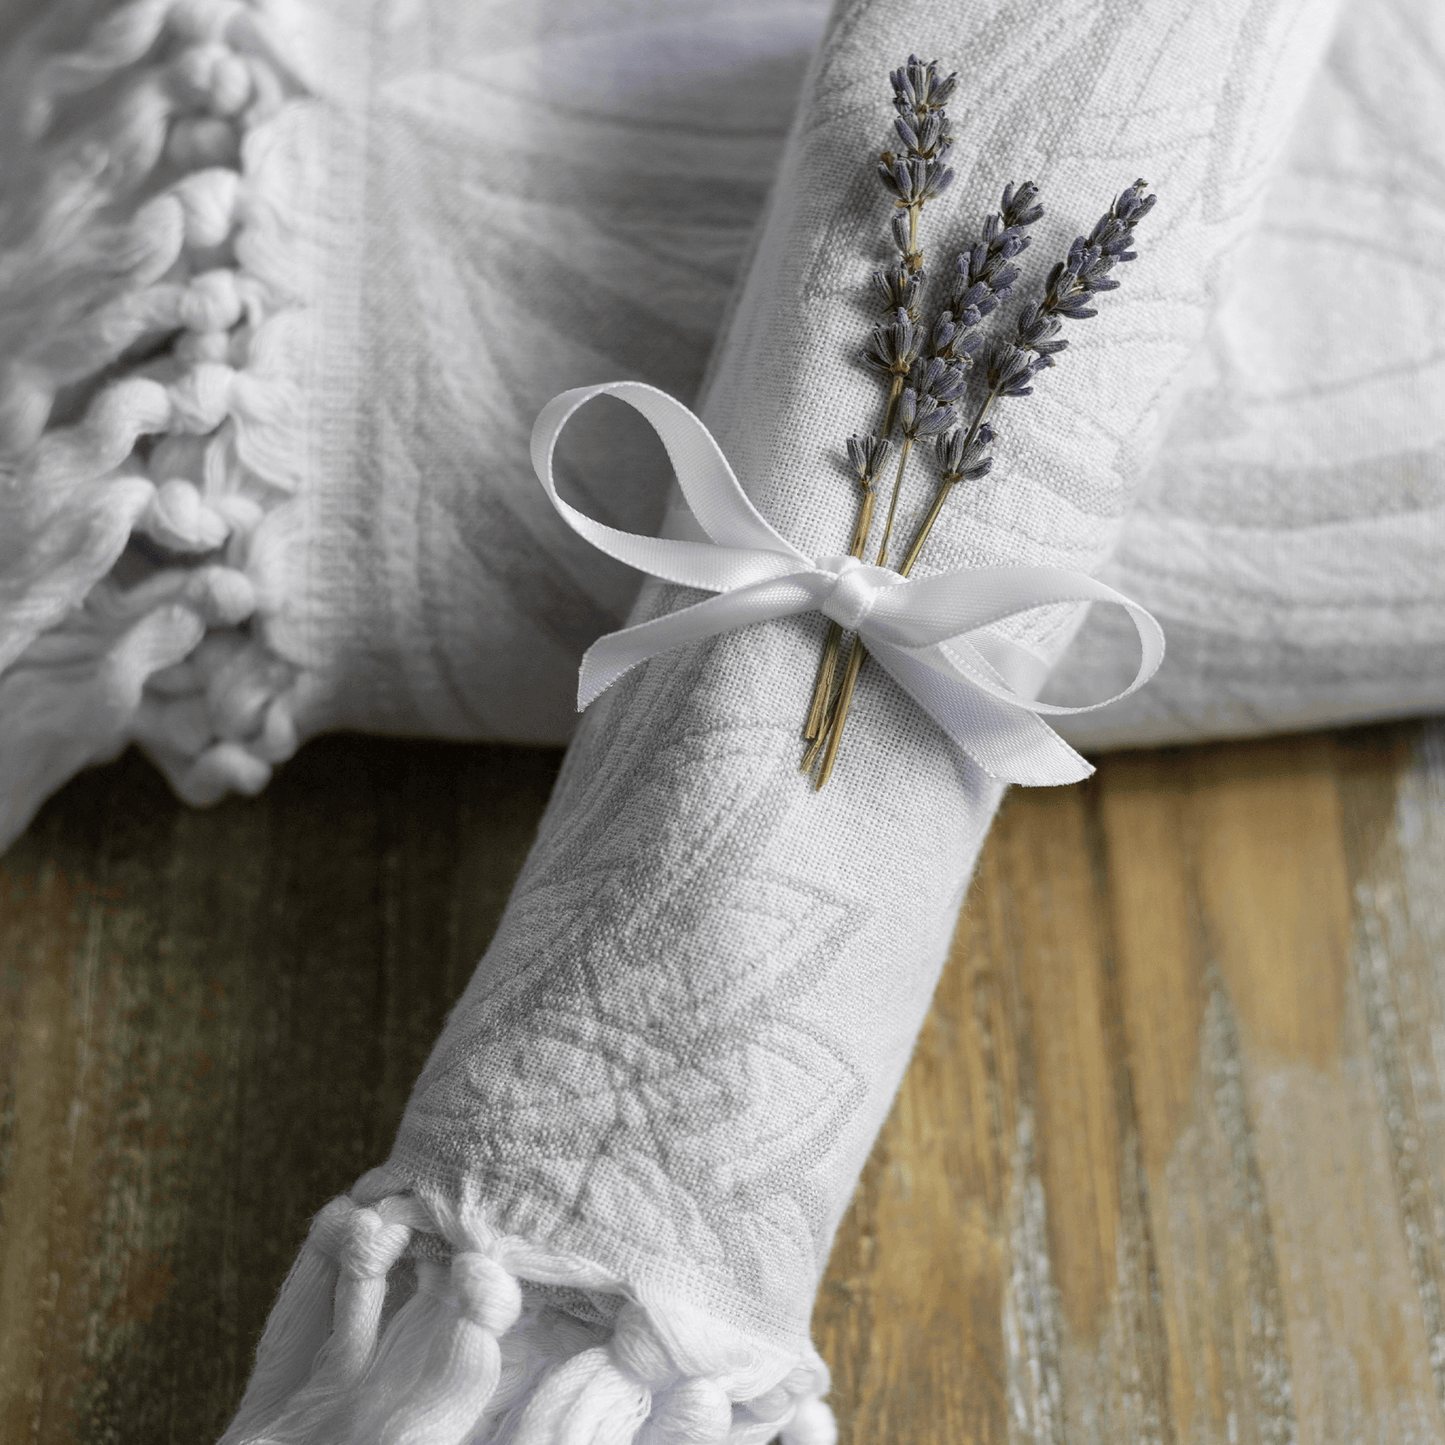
{"points": [[1291, 536], [282, 286], [388, 233], [671, 1063]]}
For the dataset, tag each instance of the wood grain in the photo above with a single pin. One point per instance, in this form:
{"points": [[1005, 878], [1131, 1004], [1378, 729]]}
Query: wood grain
{"points": [[1168, 1165]]}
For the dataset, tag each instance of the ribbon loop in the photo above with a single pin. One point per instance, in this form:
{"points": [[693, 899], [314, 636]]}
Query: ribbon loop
{"points": [[919, 630]]}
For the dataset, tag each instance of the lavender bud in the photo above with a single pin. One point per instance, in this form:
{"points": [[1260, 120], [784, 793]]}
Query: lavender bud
{"points": [[899, 227], [953, 383], [1018, 205], [928, 418], [907, 411], [867, 454], [965, 464], [899, 288], [918, 86], [893, 347], [1009, 369]]}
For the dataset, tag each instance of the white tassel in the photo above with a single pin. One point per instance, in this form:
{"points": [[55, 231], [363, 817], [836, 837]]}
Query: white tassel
{"points": [[695, 1411], [466, 1360], [359, 1246], [812, 1424], [299, 1323], [463, 1364], [587, 1401], [105, 262]]}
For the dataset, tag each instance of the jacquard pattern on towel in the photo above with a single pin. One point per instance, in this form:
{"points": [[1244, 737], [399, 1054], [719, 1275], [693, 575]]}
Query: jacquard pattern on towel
{"points": [[1291, 537]]}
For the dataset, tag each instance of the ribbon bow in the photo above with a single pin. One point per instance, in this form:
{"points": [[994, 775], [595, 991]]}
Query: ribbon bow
{"points": [[926, 632]]}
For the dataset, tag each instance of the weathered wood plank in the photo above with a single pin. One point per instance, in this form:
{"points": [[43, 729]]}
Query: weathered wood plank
{"points": [[209, 1023], [1168, 1165], [1216, 1223]]}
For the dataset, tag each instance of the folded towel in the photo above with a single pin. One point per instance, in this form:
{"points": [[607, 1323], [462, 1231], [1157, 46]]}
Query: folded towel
{"points": [[1291, 536], [286, 283], [617, 1180]]}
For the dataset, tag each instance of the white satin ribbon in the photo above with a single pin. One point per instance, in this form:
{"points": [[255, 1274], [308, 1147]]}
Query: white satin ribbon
{"points": [[918, 629]]}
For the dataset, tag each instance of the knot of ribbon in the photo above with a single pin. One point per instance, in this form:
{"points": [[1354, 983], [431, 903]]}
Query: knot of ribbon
{"points": [[930, 633]]}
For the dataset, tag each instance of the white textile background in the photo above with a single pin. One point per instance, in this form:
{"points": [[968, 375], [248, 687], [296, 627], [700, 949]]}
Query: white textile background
{"points": [[1291, 536], [315, 510]]}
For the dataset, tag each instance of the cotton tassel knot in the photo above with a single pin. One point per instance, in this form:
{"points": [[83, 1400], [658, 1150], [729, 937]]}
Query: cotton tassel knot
{"points": [[463, 1364], [323, 1330]]}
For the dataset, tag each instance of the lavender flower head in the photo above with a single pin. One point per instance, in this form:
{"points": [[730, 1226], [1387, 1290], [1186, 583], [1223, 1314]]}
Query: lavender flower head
{"points": [[919, 87], [1074, 281], [921, 416], [893, 347], [899, 288], [944, 381], [915, 180], [922, 173], [961, 459], [867, 455], [985, 273]]}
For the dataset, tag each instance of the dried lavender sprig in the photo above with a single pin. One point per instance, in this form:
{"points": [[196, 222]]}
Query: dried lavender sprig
{"points": [[1012, 365], [1084, 273], [985, 275], [921, 124]]}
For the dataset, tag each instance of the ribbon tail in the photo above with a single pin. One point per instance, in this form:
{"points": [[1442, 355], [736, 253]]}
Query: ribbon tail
{"points": [[1008, 742], [619, 652]]}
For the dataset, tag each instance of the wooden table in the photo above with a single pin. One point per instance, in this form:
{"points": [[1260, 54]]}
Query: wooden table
{"points": [[1169, 1164]]}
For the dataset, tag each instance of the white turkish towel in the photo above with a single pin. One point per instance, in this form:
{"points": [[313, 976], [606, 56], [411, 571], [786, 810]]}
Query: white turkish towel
{"points": [[1291, 536], [382, 236], [652, 1102], [282, 286]]}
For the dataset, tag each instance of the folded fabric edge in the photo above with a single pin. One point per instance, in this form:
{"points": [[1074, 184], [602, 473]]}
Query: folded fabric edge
{"points": [[131, 591], [409, 1317]]}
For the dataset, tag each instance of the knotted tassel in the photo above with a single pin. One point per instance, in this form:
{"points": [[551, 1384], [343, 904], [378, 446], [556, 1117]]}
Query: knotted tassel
{"points": [[322, 1330], [812, 1423], [694, 1411], [463, 1364], [298, 1325]]}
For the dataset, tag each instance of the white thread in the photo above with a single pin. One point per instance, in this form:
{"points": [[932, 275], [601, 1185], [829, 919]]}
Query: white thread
{"points": [[105, 265], [812, 1423], [466, 1353]]}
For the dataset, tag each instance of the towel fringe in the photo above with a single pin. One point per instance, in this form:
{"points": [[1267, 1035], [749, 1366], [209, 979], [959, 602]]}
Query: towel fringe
{"points": [[480, 1353], [150, 399]]}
